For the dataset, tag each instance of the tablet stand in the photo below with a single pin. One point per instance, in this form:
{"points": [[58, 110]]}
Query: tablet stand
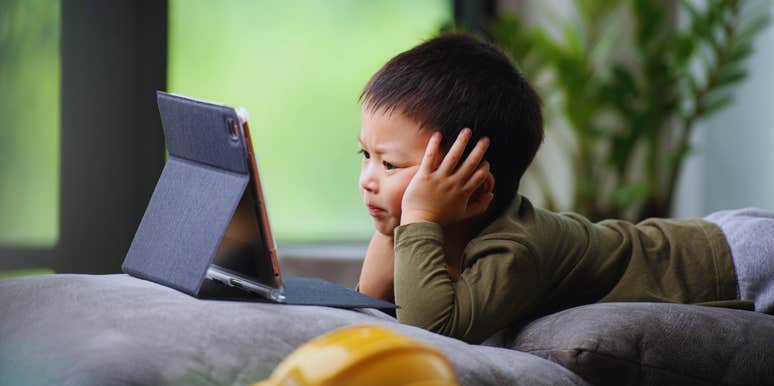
{"points": [[193, 202]]}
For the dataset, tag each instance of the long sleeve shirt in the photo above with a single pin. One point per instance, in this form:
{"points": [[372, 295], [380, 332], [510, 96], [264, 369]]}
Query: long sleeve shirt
{"points": [[530, 262]]}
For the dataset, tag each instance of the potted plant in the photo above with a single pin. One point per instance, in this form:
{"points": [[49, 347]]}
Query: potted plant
{"points": [[629, 80]]}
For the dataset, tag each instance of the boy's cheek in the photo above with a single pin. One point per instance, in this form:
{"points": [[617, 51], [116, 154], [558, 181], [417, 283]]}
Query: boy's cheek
{"points": [[385, 227], [385, 232]]}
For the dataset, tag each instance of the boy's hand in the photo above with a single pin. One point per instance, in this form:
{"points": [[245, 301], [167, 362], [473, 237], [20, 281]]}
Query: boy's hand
{"points": [[445, 193]]}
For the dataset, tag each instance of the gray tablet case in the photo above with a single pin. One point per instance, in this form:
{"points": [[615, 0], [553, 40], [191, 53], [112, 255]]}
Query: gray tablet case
{"points": [[197, 194]]}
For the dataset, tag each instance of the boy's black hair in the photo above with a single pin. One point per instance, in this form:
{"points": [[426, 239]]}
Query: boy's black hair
{"points": [[455, 81]]}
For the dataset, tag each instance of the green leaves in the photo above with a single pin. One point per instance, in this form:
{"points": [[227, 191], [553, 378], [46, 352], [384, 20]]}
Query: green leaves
{"points": [[633, 77], [628, 195], [716, 104]]}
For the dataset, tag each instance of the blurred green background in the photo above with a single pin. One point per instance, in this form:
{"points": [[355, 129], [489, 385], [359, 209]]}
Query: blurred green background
{"points": [[29, 112], [298, 67]]}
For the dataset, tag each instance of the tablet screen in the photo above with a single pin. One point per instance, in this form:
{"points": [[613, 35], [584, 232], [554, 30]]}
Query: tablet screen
{"points": [[243, 249]]}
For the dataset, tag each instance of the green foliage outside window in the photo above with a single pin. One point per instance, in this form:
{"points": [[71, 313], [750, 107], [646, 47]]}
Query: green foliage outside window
{"points": [[29, 112]]}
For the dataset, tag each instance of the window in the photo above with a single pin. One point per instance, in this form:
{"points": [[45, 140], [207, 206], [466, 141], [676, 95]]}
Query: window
{"points": [[29, 137], [298, 67]]}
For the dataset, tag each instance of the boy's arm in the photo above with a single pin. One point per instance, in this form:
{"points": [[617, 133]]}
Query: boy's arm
{"points": [[490, 292], [497, 286], [376, 276]]}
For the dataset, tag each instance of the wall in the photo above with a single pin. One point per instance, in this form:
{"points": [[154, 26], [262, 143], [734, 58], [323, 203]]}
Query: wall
{"points": [[738, 160]]}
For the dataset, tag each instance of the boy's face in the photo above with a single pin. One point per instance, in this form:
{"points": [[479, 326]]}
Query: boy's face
{"points": [[393, 146]]}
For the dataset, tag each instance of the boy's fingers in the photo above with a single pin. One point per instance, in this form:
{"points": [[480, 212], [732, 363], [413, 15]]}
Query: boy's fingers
{"points": [[474, 159], [449, 162], [428, 161], [478, 178], [481, 205]]}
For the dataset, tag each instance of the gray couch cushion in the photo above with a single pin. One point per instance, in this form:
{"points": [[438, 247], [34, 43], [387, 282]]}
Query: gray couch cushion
{"points": [[118, 330], [655, 344]]}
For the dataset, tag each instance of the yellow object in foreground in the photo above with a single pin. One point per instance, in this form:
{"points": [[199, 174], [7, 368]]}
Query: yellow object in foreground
{"points": [[363, 355]]}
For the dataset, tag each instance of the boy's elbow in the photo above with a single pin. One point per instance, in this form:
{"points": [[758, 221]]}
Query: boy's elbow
{"points": [[445, 323], [437, 324]]}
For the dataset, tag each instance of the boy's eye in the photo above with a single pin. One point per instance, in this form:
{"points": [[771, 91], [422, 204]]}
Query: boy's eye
{"points": [[389, 166], [364, 153]]}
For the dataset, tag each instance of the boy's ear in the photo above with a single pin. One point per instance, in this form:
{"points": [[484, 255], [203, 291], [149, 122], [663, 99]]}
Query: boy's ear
{"points": [[482, 197]]}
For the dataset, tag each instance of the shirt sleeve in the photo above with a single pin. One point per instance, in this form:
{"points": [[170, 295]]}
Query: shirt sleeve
{"points": [[497, 286]]}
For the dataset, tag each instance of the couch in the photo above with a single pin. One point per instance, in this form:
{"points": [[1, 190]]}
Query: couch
{"points": [[119, 330]]}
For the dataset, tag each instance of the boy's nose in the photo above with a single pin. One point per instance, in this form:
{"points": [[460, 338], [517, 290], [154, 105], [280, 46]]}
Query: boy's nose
{"points": [[368, 182]]}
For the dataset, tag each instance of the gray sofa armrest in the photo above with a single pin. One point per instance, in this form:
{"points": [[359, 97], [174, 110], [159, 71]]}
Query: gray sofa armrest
{"points": [[655, 344]]}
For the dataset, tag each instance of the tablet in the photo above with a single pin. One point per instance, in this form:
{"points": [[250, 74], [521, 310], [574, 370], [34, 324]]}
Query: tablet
{"points": [[208, 222]]}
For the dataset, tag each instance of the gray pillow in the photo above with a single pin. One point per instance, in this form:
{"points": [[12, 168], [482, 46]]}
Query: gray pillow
{"points": [[654, 344]]}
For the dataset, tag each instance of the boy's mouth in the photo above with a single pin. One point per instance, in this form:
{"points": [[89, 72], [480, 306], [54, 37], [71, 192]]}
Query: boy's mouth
{"points": [[375, 210]]}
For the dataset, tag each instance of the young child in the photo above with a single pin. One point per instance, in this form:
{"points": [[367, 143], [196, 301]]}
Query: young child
{"points": [[448, 129]]}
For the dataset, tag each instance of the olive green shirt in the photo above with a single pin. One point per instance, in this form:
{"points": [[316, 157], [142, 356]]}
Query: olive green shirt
{"points": [[530, 262]]}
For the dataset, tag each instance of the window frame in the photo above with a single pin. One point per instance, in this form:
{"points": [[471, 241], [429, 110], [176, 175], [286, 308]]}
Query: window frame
{"points": [[113, 58]]}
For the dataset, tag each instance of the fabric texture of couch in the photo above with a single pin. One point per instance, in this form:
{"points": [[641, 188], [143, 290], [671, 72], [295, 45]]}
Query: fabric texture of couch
{"points": [[655, 344], [119, 330]]}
